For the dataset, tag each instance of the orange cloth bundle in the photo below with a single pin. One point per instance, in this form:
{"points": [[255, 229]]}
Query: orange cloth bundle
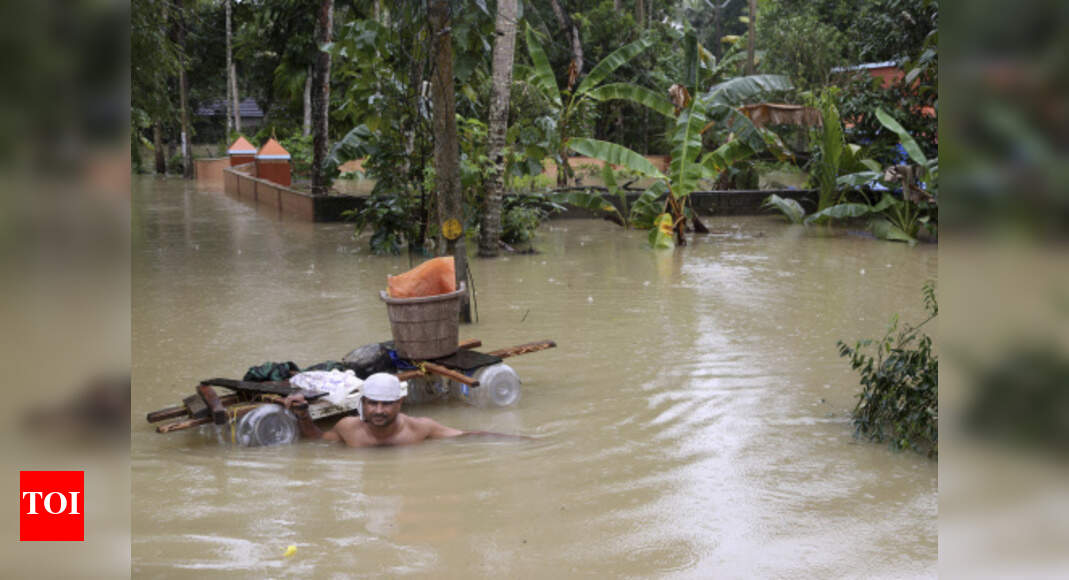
{"points": [[431, 278]]}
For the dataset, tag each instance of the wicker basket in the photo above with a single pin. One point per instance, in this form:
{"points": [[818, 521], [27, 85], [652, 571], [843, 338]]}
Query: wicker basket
{"points": [[427, 327]]}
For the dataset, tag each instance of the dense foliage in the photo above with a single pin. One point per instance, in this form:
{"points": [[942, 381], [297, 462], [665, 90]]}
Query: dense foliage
{"points": [[899, 399]]}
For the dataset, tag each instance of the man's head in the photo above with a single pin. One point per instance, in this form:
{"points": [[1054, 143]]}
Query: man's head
{"points": [[382, 398]]}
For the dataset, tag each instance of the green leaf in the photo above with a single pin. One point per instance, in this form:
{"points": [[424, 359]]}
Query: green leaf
{"points": [[618, 58], [685, 170], [790, 208], [840, 211], [661, 234], [885, 230], [542, 74], [635, 94], [608, 176], [615, 154], [741, 90], [908, 143], [719, 159], [858, 179]]}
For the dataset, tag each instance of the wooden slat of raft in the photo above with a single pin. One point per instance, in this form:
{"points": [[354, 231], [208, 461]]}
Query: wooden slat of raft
{"points": [[214, 404], [183, 411], [523, 349], [198, 409]]}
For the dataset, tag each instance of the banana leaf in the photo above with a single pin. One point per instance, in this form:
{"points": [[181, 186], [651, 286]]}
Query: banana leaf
{"points": [[885, 230], [542, 74], [840, 211], [719, 159], [646, 208], [661, 235], [615, 154], [858, 179], [790, 208], [685, 170], [635, 94], [740, 90], [911, 147], [615, 60], [589, 201]]}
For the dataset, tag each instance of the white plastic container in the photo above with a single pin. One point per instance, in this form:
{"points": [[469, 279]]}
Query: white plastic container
{"points": [[426, 390], [267, 425], [499, 386]]}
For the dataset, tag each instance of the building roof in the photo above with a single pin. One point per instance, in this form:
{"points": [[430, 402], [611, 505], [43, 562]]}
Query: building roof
{"points": [[241, 147], [217, 108], [866, 66], [272, 150]]}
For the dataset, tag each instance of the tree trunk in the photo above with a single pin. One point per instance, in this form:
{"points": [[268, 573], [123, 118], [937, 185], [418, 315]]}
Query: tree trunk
{"points": [[157, 144], [183, 95], [306, 128], [446, 148], [640, 13], [504, 47], [229, 76], [750, 66], [321, 99], [570, 30]]}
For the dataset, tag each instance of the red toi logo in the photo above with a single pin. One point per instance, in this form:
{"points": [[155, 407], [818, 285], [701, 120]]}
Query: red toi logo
{"points": [[51, 506]]}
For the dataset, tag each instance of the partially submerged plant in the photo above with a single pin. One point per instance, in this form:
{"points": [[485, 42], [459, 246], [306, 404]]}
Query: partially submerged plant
{"points": [[899, 399]]}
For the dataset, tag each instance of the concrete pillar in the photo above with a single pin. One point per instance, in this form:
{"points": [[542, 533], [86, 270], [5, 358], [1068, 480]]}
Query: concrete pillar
{"points": [[241, 152], [273, 163]]}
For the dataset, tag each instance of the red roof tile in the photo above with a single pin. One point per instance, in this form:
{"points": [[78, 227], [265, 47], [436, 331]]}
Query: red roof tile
{"points": [[272, 150], [241, 147]]}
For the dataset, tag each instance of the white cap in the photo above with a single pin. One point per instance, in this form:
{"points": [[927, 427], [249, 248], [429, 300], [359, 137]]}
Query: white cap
{"points": [[382, 387]]}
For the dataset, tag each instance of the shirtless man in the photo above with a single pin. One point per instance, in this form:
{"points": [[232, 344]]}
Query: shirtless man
{"points": [[382, 424]]}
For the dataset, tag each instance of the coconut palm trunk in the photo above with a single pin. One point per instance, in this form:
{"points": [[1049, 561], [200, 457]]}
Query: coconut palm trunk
{"points": [[321, 98], [504, 48], [183, 93], [446, 147]]}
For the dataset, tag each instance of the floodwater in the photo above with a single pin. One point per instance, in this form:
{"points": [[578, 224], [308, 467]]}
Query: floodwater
{"points": [[692, 423]]}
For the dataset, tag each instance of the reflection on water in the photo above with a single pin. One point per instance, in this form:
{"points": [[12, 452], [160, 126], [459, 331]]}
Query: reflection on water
{"points": [[692, 422]]}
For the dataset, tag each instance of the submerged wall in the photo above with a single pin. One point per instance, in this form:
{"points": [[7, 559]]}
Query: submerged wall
{"points": [[242, 182]]}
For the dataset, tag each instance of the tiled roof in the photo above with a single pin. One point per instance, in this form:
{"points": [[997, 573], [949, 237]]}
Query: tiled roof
{"points": [[248, 107], [272, 150], [241, 147]]}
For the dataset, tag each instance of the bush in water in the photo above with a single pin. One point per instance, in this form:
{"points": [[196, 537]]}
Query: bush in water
{"points": [[899, 400]]}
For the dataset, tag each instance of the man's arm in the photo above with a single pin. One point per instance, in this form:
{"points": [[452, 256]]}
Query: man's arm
{"points": [[309, 429], [439, 431]]}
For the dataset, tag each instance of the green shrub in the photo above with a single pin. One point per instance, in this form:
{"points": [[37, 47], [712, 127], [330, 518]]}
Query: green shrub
{"points": [[899, 400], [523, 214], [390, 218]]}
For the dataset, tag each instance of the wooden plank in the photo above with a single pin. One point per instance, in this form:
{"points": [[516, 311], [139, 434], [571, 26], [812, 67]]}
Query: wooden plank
{"points": [[214, 404], [436, 369], [182, 411], [523, 349], [196, 406], [190, 423], [450, 373], [167, 413], [281, 388]]}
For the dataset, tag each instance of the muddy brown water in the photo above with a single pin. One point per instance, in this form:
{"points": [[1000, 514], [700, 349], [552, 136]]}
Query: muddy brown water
{"points": [[692, 423]]}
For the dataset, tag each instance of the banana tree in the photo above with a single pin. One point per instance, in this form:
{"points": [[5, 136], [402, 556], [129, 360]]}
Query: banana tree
{"points": [[693, 118], [568, 102]]}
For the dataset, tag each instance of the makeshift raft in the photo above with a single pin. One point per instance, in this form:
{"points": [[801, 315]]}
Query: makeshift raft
{"points": [[208, 406]]}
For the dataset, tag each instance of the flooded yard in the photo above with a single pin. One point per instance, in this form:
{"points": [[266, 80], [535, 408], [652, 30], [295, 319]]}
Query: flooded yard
{"points": [[693, 421]]}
